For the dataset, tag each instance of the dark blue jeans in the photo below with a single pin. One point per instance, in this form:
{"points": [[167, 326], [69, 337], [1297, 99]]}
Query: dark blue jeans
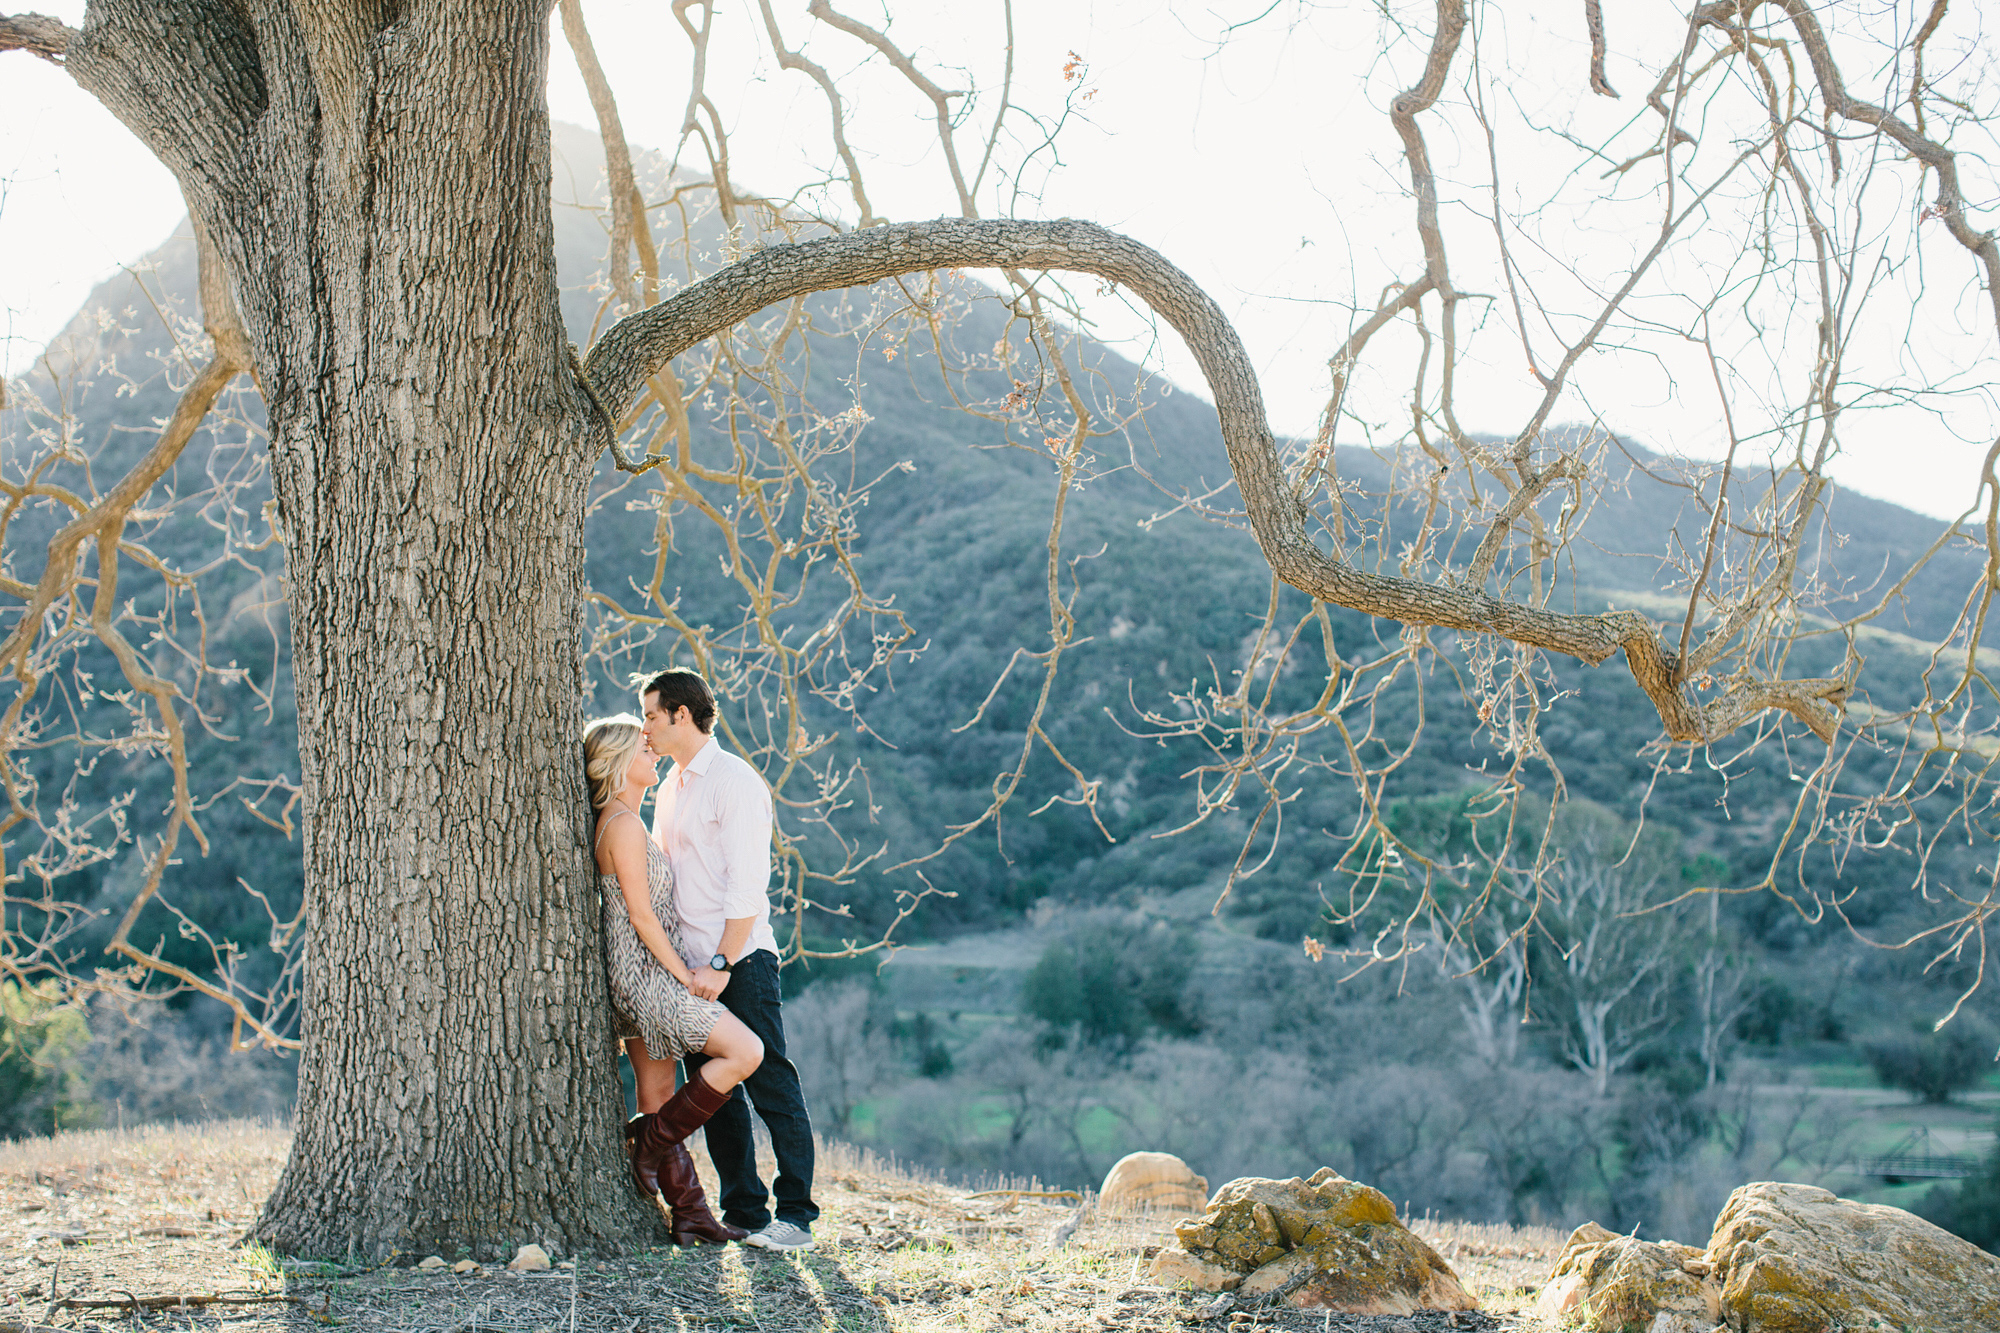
{"points": [[752, 995]]}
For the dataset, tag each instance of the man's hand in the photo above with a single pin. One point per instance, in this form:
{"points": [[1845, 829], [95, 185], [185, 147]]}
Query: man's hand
{"points": [[707, 983]]}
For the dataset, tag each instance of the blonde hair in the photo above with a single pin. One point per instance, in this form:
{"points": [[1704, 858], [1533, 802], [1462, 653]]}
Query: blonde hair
{"points": [[608, 746]]}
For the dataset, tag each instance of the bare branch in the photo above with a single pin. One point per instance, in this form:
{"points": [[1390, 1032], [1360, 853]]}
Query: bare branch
{"points": [[1593, 17], [1950, 204], [37, 34], [625, 205], [644, 343], [790, 59], [939, 98]]}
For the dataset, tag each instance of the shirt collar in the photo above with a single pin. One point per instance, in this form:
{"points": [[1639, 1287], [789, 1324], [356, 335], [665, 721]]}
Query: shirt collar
{"points": [[704, 757]]}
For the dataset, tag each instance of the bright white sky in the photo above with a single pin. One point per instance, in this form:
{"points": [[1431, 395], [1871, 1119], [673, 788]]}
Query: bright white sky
{"points": [[1268, 171]]}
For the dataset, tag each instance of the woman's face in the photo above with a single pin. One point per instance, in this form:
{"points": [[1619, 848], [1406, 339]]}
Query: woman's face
{"points": [[644, 768]]}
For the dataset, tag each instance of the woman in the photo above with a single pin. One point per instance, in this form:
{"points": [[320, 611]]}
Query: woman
{"points": [[659, 1019]]}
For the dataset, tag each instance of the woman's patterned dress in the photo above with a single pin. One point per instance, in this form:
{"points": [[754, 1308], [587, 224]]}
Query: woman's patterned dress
{"points": [[645, 999]]}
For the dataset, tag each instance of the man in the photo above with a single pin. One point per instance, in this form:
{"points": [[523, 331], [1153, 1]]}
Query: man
{"points": [[712, 817]]}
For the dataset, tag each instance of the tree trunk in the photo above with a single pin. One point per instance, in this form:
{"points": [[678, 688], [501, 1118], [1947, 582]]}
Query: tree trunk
{"points": [[378, 186]]}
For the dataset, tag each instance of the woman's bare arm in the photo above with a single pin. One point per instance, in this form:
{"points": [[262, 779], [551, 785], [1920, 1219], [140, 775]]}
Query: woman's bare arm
{"points": [[625, 840]]}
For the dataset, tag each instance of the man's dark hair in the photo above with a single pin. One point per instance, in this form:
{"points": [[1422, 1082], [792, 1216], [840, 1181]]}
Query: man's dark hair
{"points": [[680, 688]]}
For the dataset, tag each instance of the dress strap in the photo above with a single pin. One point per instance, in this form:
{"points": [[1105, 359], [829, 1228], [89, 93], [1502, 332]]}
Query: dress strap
{"points": [[622, 810]]}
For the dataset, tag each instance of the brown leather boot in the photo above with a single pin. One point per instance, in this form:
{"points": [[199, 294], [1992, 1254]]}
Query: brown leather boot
{"points": [[632, 1128], [681, 1188], [685, 1112]]}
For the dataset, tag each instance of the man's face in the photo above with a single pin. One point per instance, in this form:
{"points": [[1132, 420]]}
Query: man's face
{"points": [[669, 733]]}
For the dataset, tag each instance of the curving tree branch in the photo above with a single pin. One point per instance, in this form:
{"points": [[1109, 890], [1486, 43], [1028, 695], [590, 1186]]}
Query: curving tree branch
{"points": [[647, 342]]}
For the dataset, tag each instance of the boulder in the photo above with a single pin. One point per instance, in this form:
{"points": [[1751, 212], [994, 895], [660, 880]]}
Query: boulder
{"points": [[1795, 1259], [1325, 1243], [1143, 1180], [1607, 1283]]}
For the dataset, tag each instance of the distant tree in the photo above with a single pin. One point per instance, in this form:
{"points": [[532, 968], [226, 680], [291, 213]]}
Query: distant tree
{"points": [[1724, 972], [1112, 978], [1607, 939], [838, 1034], [1930, 1064], [1469, 868], [925, 1041], [371, 188]]}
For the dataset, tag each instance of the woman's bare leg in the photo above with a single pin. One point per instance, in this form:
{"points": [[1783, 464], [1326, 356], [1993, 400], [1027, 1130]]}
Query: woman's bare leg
{"points": [[733, 1052], [655, 1078]]}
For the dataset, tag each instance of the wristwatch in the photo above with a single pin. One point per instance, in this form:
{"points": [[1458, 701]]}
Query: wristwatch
{"points": [[718, 964]]}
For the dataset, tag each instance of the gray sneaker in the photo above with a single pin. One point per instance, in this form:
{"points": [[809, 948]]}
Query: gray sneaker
{"points": [[781, 1236]]}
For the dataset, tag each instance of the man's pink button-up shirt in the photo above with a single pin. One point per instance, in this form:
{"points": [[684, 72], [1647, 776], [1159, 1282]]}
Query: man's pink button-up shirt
{"points": [[713, 820]]}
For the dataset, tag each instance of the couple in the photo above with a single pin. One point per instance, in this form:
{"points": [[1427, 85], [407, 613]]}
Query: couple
{"points": [[693, 966]]}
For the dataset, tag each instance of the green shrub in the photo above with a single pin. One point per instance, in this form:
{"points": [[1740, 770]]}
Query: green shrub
{"points": [[42, 1088], [1934, 1065], [1114, 978], [1970, 1209]]}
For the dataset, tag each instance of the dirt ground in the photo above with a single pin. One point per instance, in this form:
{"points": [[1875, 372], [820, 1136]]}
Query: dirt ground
{"points": [[134, 1221]]}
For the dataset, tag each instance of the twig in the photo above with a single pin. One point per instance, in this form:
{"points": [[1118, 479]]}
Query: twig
{"points": [[1060, 1237], [173, 1302], [55, 1276], [1593, 16], [1028, 1194]]}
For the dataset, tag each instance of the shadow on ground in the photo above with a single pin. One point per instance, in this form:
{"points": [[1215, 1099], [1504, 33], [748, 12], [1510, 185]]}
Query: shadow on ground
{"points": [[705, 1288]]}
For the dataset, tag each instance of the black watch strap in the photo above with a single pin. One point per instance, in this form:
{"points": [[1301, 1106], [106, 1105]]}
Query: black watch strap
{"points": [[718, 963]]}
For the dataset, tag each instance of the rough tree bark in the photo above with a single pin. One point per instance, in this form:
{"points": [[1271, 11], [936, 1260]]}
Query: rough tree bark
{"points": [[376, 180]]}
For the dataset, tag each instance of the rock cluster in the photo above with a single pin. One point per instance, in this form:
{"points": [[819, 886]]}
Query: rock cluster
{"points": [[1782, 1259], [1325, 1243], [1146, 1180]]}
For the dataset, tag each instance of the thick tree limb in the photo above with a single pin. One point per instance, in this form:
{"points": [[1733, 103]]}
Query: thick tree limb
{"points": [[184, 75], [38, 34], [645, 343]]}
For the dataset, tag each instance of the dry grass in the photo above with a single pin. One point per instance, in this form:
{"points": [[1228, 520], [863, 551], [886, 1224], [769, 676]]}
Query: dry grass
{"points": [[158, 1211]]}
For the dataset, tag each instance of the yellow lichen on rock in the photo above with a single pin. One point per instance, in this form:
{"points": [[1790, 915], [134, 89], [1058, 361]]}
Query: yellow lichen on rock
{"points": [[1607, 1283], [1324, 1243], [1795, 1259]]}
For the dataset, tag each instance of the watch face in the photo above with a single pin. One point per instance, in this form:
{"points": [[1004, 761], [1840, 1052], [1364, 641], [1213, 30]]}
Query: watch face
{"points": [[719, 963]]}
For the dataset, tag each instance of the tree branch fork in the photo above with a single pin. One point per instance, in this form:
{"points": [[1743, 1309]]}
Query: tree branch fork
{"points": [[646, 343]]}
